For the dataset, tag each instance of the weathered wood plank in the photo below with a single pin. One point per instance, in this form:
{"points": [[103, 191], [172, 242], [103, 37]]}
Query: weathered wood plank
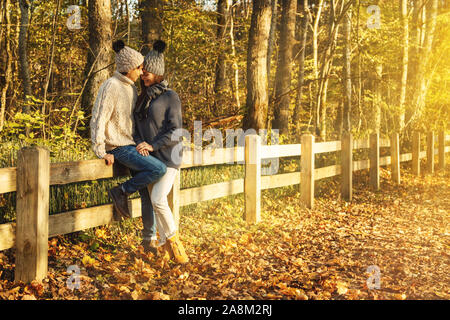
{"points": [[214, 156], [405, 157], [307, 170], [329, 146], [385, 161], [416, 153], [327, 172], [374, 159], [77, 171], [385, 143], [211, 191], [280, 150], [347, 166], [361, 144], [82, 219], [33, 195], [252, 180], [441, 152], [395, 158], [280, 180], [7, 235], [7, 180], [361, 165], [430, 152]]}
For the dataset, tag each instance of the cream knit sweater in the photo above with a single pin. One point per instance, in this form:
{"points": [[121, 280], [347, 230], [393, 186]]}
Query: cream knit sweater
{"points": [[112, 123]]}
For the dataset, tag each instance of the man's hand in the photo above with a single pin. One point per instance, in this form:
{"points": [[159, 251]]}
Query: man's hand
{"points": [[144, 148], [109, 158]]}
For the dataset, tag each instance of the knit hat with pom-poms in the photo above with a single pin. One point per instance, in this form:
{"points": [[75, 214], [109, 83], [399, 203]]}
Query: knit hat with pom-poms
{"points": [[127, 59], [154, 60]]}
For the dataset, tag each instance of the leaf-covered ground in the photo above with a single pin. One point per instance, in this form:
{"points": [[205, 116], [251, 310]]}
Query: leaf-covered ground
{"points": [[293, 253]]}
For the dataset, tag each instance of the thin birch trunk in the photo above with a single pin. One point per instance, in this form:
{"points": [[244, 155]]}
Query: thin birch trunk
{"points": [[8, 62]]}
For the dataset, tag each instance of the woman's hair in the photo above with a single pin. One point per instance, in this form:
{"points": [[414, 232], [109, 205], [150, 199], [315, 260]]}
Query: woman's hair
{"points": [[141, 96]]}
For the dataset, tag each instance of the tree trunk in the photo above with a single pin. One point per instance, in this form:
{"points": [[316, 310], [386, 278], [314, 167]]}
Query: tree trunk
{"points": [[8, 71], [235, 65], [257, 89], [400, 120], [326, 65], [52, 54], [315, 47], [99, 55], [347, 73], [127, 10], [151, 17], [273, 31], [284, 67], [301, 65], [424, 57], [24, 69], [359, 72], [376, 107], [220, 82]]}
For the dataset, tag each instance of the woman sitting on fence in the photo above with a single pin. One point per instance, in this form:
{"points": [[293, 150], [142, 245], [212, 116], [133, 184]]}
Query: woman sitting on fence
{"points": [[157, 116]]}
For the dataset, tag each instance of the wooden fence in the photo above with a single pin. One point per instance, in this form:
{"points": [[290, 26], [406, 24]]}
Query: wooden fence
{"points": [[34, 175]]}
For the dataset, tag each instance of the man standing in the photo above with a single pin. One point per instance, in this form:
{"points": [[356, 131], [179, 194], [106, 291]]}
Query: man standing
{"points": [[112, 128]]}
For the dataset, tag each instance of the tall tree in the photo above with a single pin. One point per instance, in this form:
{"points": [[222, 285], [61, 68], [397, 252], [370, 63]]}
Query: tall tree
{"points": [[347, 107], [273, 31], [257, 87], [234, 58], [421, 85], [375, 123], [24, 69], [152, 26], [400, 120], [284, 67], [52, 54], [7, 79], [338, 8], [220, 84], [99, 53], [303, 33], [315, 53]]}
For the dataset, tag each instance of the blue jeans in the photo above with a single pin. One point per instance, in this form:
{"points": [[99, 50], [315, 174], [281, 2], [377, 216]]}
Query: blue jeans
{"points": [[144, 171], [147, 169], [147, 213]]}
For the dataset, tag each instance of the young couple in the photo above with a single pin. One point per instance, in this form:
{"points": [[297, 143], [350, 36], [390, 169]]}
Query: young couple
{"points": [[135, 130]]}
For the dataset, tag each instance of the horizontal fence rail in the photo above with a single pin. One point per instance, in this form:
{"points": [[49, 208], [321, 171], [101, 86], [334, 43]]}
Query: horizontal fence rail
{"points": [[251, 185]]}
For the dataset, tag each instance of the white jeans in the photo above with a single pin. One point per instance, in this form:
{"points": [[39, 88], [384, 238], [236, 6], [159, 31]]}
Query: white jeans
{"points": [[165, 222]]}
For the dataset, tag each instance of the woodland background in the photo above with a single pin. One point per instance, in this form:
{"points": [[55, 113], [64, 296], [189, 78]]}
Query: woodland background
{"points": [[316, 66], [323, 67]]}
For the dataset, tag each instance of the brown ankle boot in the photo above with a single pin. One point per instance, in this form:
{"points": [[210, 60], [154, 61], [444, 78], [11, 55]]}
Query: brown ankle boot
{"points": [[176, 250]]}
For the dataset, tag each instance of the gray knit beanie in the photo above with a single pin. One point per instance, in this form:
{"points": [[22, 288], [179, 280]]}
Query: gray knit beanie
{"points": [[154, 60], [127, 59]]}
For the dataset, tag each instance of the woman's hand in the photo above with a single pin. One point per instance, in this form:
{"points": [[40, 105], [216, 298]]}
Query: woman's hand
{"points": [[144, 148], [109, 158]]}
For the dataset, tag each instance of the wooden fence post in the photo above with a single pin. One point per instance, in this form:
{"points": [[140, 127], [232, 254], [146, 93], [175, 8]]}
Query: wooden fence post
{"points": [[32, 211], [307, 170], [430, 152], [174, 199], [416, 153], [252, 180], [346, 166], [442, 150], [374, 157], [395, 158]]}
